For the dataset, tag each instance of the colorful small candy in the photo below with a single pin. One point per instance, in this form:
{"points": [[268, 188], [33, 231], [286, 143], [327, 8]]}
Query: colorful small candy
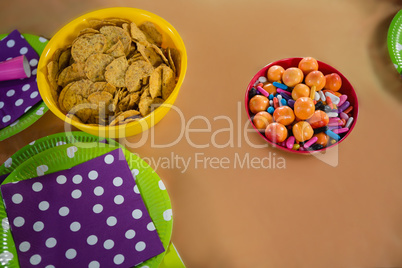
{"points": [[332, 135], [332, 114], [310, 142], [327, 109], [280, 85], [285, 96], [335, 120], [252, 92], [262, 91], [316, 147], [312, 93], [335, 99], [334, 127], [290, 142], [340, 130], [344, 116], [291, 103], [348, 110], [281, 91], [322, 96], [276, 102], [334, 124], [349, 122], [316, 96], [329, 102], [300, 108], [319, 106], [296, 146], [343, 107], [342, 99], [262, 79]]}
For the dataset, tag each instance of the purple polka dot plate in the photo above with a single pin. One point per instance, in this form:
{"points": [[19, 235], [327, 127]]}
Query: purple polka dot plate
{"points": [[30, 113]]}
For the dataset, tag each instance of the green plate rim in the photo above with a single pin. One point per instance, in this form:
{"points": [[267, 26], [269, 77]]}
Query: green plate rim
{"points": [[395, 36], [142, 182], [45, 143], [38, 110]]}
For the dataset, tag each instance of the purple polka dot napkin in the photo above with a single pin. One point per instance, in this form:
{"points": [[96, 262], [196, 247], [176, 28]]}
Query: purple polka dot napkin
{"points": [[17, 96], [86, 216]]}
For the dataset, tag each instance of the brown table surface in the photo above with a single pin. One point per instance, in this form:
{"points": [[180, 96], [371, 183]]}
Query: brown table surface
{"points": [[340, 210]]}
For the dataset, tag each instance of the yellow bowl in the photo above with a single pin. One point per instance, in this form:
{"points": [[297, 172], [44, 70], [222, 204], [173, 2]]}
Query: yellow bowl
{"points": [[69, 32]]}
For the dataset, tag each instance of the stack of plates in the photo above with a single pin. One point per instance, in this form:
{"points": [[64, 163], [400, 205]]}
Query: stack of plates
{"points": [[48, 155]]}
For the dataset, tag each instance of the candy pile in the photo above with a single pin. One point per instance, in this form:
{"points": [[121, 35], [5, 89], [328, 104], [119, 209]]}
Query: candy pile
{"points": [[300, 108]]}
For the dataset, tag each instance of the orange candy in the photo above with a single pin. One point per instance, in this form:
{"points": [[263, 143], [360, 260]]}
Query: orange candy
{"points": [[270, 88], [258, 103], [274, 73], [292, 76], [333, 82], [284, 115], [276, 132], [262, 119], [300, 90], [308, 65], [304, 108], [302, 131], [319, 119], [315, 78], [322, 138]]}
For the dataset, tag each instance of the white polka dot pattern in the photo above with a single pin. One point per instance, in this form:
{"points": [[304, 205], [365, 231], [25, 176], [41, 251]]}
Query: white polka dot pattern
{"points": [[10, 43], [23, 50], [92, 240], [17, 199], [44, 205], [51, 242], [25, 246]]}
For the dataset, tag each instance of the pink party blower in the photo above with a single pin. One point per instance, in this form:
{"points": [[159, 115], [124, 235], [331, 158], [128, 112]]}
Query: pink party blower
{"points": [[15, 68]]}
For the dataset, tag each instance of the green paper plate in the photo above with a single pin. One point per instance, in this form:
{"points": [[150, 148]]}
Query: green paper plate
{"points": [[48, 142], [155, 196], [37, 110], [395, 41]]}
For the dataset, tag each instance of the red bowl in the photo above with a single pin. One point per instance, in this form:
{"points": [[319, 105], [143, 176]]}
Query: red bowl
{"points": [[346, 88]]}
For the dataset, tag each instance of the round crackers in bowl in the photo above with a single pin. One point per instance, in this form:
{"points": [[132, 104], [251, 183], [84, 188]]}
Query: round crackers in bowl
{"points": [[113, 72]]}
